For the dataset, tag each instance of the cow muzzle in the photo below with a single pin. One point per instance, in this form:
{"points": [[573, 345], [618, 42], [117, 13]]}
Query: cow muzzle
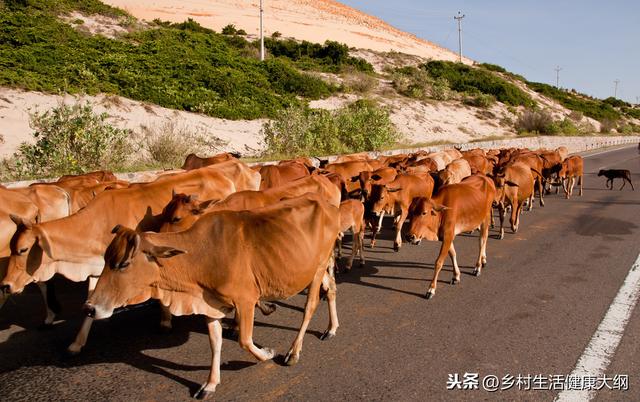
{"points": [[89, 310], [413, 239]]}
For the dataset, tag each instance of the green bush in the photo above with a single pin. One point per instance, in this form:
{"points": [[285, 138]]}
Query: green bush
{"points": [[536, 121], [330, 57], [229, 30], [416, 83], [480, 100], [71, 140], [360, 83], [181, 66], [594, 108], [361, 126], [464, 78], [167, 145]]}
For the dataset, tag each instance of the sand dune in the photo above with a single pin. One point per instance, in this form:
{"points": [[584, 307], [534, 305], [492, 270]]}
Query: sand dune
{"points": [[317, 21]]}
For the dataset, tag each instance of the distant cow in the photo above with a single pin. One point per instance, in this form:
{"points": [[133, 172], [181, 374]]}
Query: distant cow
{"points": [[611, 174], [352, 217], [457, 208], [193, 161], [572, 169]]}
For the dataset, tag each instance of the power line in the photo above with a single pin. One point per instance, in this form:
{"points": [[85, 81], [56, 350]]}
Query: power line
{"points": [[459, 18], [615, 91], [558, 69]]}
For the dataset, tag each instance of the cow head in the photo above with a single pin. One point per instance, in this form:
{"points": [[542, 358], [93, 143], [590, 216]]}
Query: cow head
{"points": [[601, 172], [425, 216], [182, 212], [30, 252], [381, 199], [502, 186], [132, 269], [366, 180]]}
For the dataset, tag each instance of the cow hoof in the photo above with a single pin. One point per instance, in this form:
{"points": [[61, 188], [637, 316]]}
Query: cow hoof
{"points": [[455, 281], [501, 237], [396, 247], [291, 360], [269, 308], [202, 393], [429, 294], [476, 272], [361, 263], [73, 350], [327, 335]]}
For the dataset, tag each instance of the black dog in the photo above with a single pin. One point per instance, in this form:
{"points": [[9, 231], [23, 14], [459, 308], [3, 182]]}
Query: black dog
{"points": [[611, 174]]}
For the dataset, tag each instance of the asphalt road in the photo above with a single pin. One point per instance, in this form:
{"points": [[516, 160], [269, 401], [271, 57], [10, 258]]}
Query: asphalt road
{"points": [[533, 311]]}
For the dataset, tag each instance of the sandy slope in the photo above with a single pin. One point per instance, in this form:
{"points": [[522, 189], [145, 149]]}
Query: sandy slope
{"points": [[316, 21]]}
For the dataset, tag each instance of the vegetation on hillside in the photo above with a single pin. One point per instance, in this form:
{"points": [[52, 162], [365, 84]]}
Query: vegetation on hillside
{"points": [[182, 66], [361, 126]]}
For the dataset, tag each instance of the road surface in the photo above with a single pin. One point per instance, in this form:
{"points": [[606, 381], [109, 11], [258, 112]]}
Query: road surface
{"points": [[532, 312]]}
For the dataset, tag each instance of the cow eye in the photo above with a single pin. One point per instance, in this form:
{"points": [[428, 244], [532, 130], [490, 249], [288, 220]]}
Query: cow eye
{"points": [[424, 213], [175, 219], [124, 264], [23, 250]]}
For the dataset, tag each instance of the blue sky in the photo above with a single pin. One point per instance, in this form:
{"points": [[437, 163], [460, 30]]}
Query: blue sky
{"points": [[594, 42]]}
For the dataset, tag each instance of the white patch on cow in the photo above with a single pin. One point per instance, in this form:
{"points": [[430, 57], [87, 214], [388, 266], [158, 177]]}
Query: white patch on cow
{"points": [[596, 357]]}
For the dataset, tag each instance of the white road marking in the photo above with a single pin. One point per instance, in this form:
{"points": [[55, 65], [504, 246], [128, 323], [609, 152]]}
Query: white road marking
{"points": [[596, 357]]}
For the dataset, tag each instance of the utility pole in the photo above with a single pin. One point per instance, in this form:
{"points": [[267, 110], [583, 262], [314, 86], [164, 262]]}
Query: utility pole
{"points": [[459, 18], [615, 91], [261, 33], [558, 69]]}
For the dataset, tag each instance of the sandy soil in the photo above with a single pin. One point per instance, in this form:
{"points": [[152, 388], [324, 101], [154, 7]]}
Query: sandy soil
{"points": [[16, 105], [316, 21]]}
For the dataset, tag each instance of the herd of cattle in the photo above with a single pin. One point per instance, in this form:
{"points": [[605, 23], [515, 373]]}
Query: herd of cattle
{"points": [[219, 236]]}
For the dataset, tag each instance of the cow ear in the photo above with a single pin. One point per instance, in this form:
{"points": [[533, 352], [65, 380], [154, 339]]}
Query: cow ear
{"points": [[43, 241], [116, 228], [203, 206], [440, 208], [510, 183], [18, 220], [376, 177], [393, 190], [163, 252]]}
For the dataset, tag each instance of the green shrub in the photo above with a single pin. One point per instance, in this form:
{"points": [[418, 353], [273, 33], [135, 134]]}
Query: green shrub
{"points": [[416, 83], [594, 108], [615, 102], [536, 121], [361, 126], [241, 32], [480, 100], [276, 34], [607, 125], [229, 30], [464, 78], [71, 140], [167, 145], [360, 83]]}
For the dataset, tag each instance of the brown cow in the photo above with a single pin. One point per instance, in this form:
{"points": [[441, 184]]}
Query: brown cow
{"points": [[99, 176], [454, 173], [193, 161], [184, 210], [242, 270], [52, 201], [73, 246], [572, 168], [478, 163], [349, 169], [379, 176], [395, 198], [458, 208], [277, 175], [536, 164], [514, 186], [352, 217]]}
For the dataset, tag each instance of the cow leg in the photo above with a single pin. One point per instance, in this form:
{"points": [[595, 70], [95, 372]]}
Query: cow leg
{"points": [[245, 311], [623, 184], [51, 304], [339, 243], [515, 212], [403, 217], [83, 334], [444, 249], [354, 250], [482, 255], [329, 283], [456, 270], [530, 202], [540, 190], [215, 341], [313, 296], [580, 183], [165, 318], [629, 180], [493, 221], [361, 246], [610, 181], [501, 211]]}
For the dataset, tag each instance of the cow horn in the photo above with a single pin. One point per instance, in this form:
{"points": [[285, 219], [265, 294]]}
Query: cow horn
{"points": [[116, 228]]}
